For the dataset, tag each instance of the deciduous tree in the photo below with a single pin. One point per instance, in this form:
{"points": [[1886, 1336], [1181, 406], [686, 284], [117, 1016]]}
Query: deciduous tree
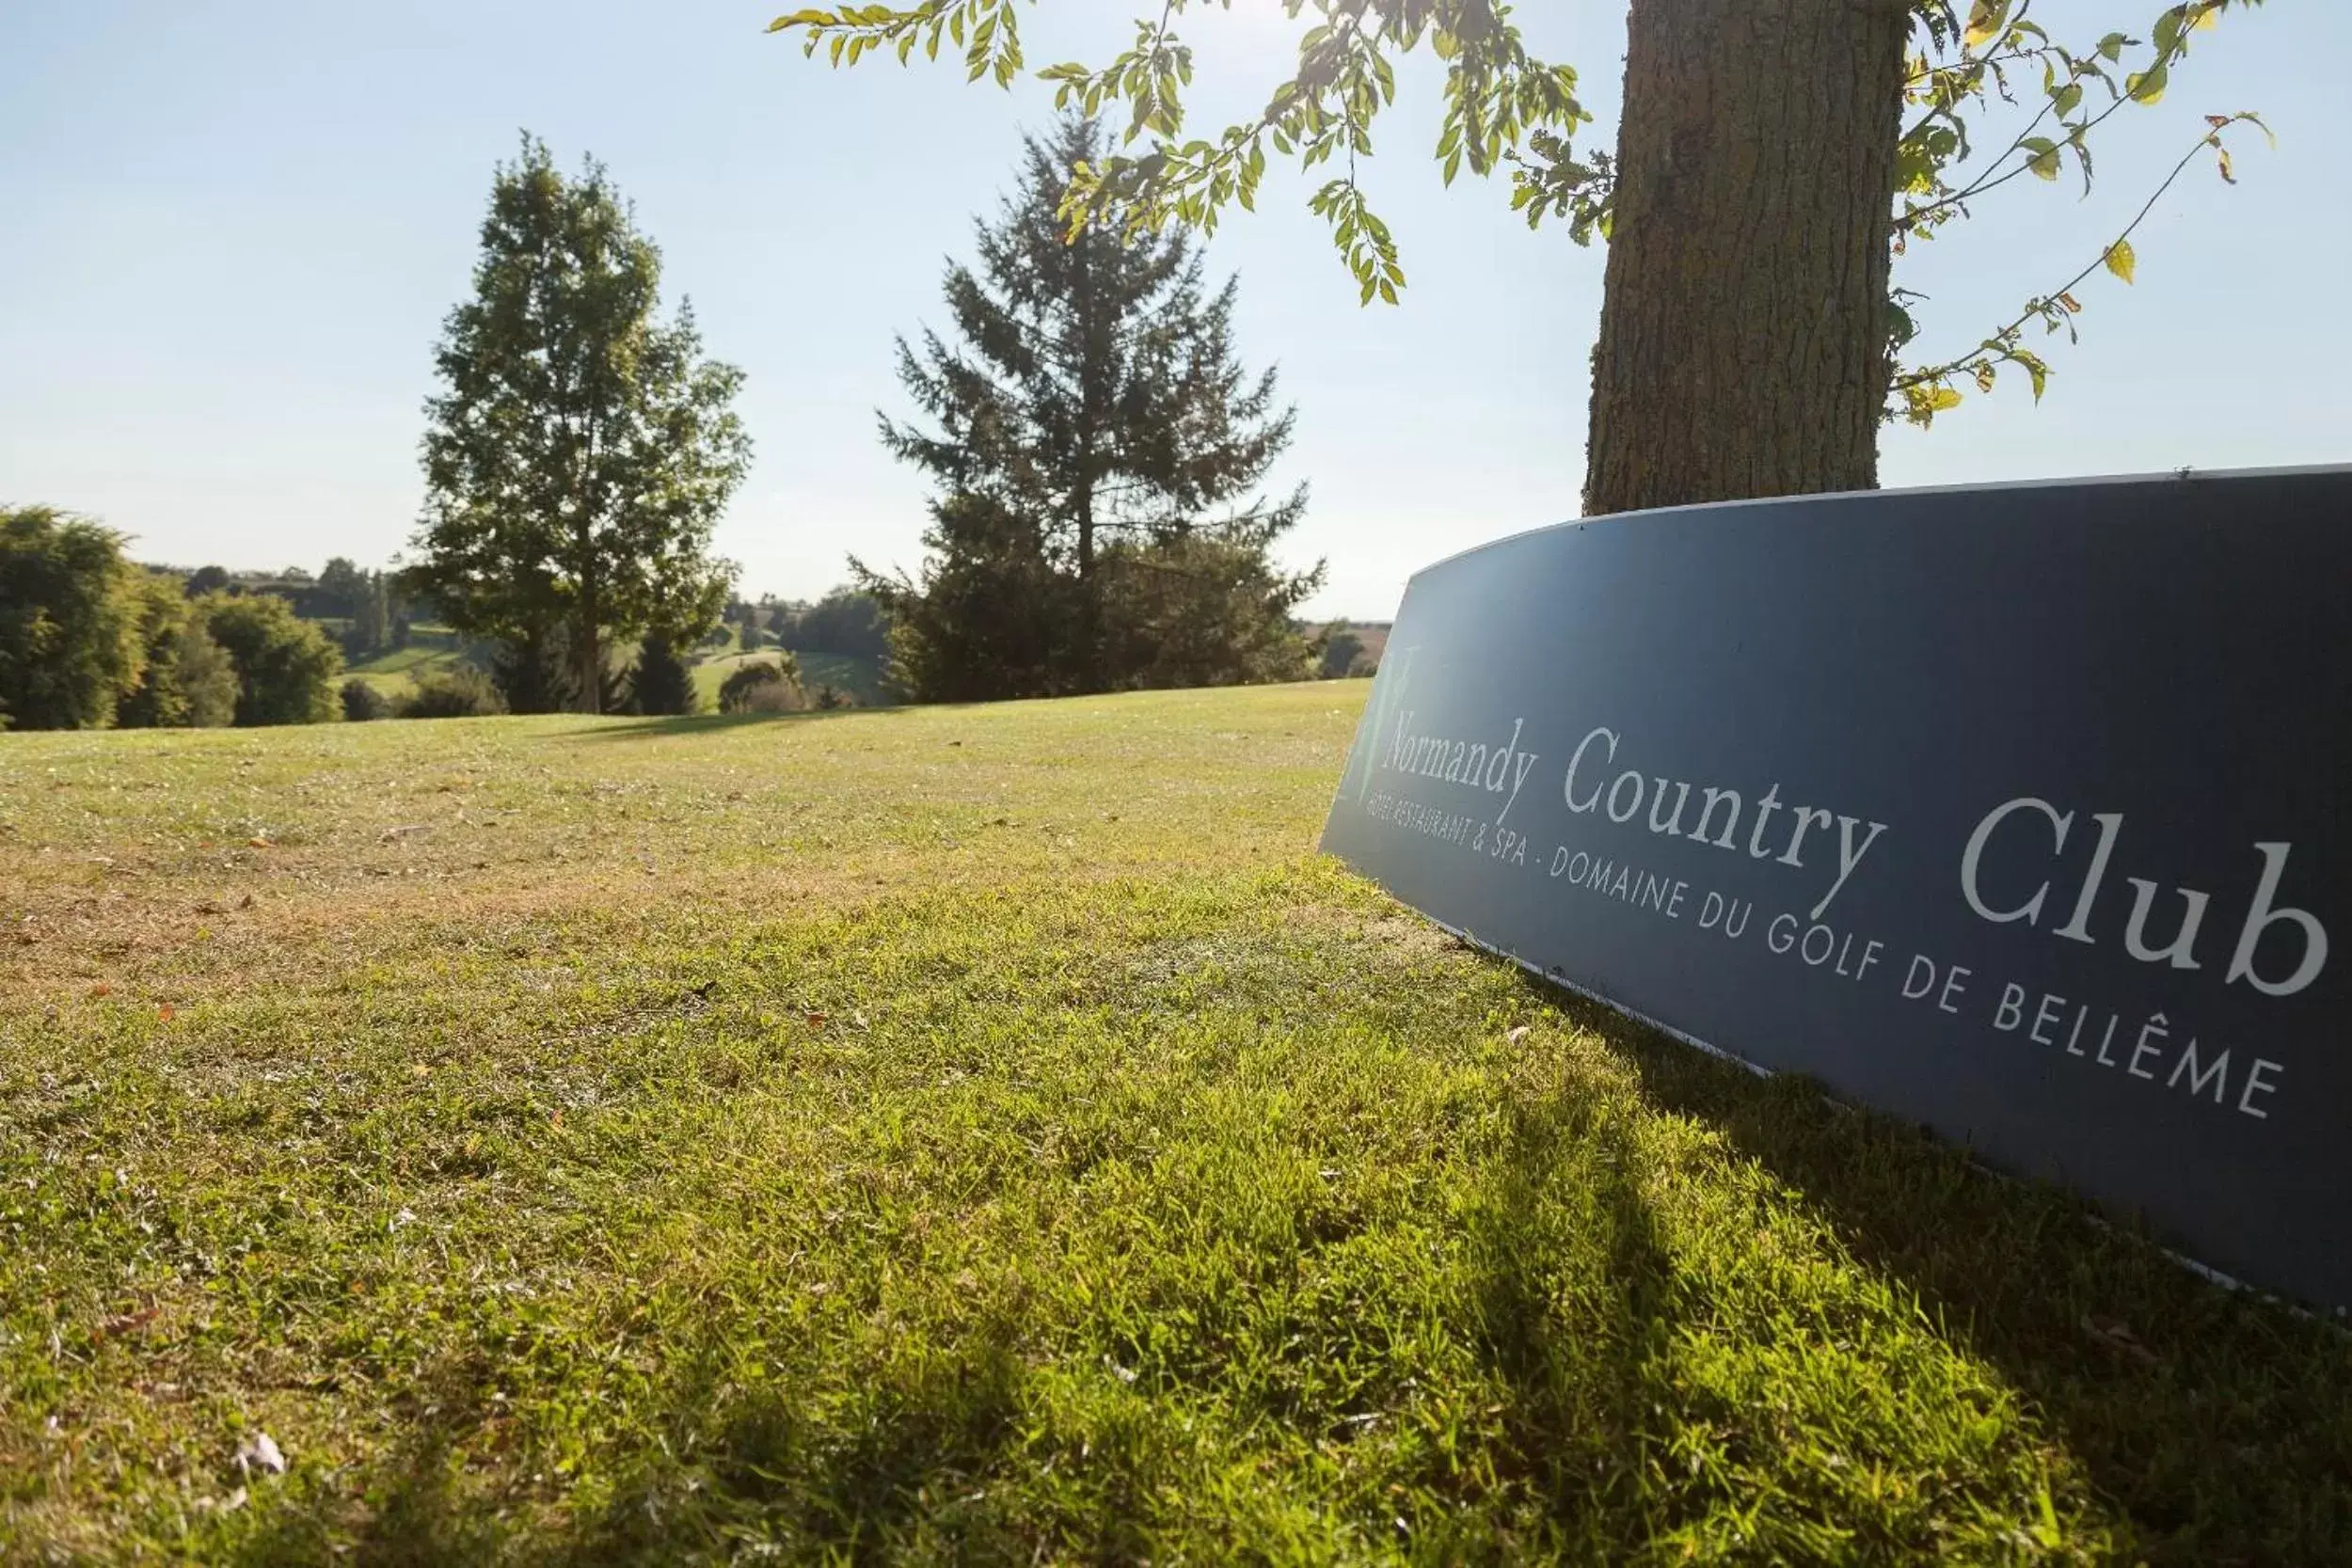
{"points": [[70, 621], [286, 666], [581, 450], [186, 680]]}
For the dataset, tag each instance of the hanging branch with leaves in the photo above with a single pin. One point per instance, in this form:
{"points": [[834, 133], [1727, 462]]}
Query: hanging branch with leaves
{"points": [[1497, 96], [1962, 70], [1507, 108]]}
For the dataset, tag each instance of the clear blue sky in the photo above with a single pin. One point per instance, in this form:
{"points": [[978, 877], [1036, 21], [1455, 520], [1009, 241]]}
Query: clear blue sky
{"points": [[233, 231]]}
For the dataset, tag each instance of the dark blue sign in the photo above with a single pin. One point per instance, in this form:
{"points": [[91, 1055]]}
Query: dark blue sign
{"points": [[2023, 812]]}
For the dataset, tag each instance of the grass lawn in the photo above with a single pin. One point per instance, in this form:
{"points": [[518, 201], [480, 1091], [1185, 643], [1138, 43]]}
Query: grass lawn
{"points": [[395, 673], [991, 1135], [860, 677]]}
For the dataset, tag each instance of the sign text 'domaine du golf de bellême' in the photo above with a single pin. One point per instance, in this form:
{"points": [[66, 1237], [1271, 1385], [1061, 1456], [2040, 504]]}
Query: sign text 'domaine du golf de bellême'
{"points": [[2014, 811]]}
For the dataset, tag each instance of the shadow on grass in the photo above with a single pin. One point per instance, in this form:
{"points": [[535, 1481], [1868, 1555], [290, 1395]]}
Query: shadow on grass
{"points": [[1563, 1200], [417, 1508], [962, 1454], [2219, 1425], [2218, 1422], [707, 723], [917, 1469]]}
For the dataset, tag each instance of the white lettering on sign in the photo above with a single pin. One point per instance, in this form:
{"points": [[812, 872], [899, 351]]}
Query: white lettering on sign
{"points": [[1720, 812], [2179, 952], [1474, 765]]}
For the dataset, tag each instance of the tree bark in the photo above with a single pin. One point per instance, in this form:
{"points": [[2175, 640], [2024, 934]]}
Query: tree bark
{"points": [[1742, 345], [588, 651], [1094, 369]]}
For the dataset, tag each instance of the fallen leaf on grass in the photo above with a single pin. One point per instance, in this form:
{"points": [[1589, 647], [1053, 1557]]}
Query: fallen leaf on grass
{"points": [[166, 1012], [257, 844], [260, 1451], [101, 989], [128, 1322]]}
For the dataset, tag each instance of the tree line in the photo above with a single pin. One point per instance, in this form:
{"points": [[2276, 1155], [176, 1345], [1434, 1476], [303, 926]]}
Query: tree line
{"points": [[88, 639], [1094, 446]]}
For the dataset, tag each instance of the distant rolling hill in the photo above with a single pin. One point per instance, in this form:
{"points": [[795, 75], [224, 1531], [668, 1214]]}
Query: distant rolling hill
{"points": [[860, 676]]}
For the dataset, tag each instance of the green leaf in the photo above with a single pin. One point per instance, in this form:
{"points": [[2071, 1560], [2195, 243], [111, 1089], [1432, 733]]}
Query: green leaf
{"points": [[2121, 260]]}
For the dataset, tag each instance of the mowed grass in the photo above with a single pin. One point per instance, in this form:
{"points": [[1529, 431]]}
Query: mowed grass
{"points": [[986, 1135], [395, 672], [860, 678]]}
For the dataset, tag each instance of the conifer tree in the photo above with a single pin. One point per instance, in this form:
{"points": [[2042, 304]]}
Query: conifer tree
{"points": [[1097, 448], [659, 683]]}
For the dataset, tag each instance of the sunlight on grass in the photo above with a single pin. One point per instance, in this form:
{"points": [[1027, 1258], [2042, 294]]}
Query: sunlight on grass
{"points": [[986, 1135]]}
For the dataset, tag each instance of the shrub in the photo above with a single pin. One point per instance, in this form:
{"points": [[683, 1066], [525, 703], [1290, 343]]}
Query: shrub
{"points": [[186, 680], [286, 667], [766, 687], [70, 643], [774, 697], [463, 692], [363, 702]]}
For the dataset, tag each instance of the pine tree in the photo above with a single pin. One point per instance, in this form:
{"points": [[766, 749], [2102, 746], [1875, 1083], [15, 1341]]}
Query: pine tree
{"points": [[660, 682], [1096, 449], [582, 449]]}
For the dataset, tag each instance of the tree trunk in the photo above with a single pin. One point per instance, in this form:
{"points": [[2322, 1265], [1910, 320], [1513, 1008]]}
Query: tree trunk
{"points": [[1743, 329], [1094, 368], [589, 652], [1089, 595]]}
